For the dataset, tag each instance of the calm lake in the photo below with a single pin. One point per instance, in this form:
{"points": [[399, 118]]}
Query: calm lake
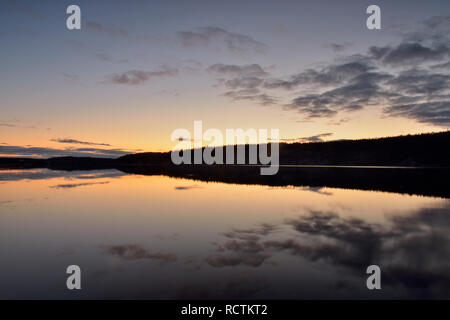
{"points": [[157, 237]]}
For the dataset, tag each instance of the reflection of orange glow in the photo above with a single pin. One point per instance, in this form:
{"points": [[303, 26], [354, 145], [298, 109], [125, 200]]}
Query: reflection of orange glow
{"points": [[184, 201]]}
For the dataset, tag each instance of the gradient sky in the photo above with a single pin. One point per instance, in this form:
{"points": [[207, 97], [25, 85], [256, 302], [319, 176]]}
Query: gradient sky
{"points": [[137, 70]]}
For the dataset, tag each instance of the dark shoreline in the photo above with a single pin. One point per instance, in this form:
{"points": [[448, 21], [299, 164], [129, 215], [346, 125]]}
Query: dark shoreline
{"points": [[431, 181]]}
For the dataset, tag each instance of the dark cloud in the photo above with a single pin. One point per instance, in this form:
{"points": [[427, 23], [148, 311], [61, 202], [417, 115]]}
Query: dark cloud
{"points": [[233, 42], [136, 77], [414, 93], [443, 66], [74, 141], [50, 152], [434, 30], [250, 70], [420, 82], [40, 174], [338, 122], [244, 83], [244, 80], [332, 74], [315, 138], [437, 112], [360, 91], [417, 88], [428, 41], [136, 252], [406, 54], [253, 95]]}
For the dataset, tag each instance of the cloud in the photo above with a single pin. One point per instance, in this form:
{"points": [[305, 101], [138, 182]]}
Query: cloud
{"points": [[15, 123], [135, 252], [437, 112], [74, 141], [51, 152], [137, 77], [315, 138], [244, 81], [407, 79], [406, 54], [250, 70], [71, 77], [358, 92], [213, 36], [253, 95], [428, 42], [420, 82], [5, 124], [441, 66], [339, 47], [417, 94], [433, 30], [112, 31], [332, 74]]}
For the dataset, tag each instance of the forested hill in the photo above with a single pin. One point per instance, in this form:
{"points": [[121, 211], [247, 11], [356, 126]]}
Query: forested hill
{"points": [[431, 149]]}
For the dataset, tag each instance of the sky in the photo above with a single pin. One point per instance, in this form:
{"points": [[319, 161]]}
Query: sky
{"points": [[138, 70]]}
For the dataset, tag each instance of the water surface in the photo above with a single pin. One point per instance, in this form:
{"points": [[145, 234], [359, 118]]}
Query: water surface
{"points": [[158, 237]]}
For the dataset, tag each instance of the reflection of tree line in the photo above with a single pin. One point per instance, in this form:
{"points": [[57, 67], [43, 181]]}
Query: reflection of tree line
{"points": [[425, 181], [430, 182]]}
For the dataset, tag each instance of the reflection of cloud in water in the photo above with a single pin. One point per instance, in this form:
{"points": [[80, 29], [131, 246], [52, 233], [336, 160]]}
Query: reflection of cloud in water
{"points": [[76, 185], [413, 250], [14, 203], [41, 174], [319, 190], [180, 188], [244, 248], [136, 252]]}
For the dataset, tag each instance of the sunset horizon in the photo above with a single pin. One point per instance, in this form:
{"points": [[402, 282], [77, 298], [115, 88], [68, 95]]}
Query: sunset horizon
{"points": [[120, 83]]}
